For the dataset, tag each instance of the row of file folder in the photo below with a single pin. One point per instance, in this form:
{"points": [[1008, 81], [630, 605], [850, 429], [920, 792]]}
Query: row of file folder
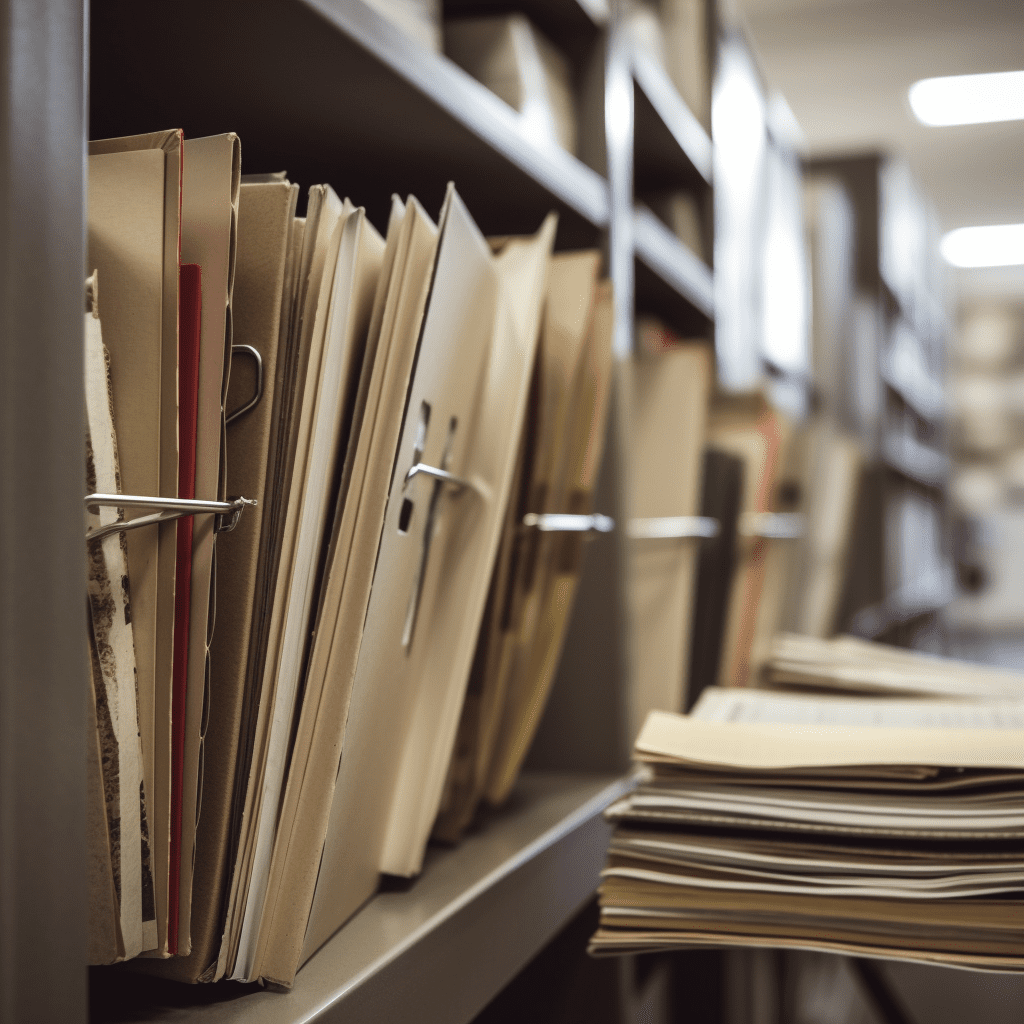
{"points": [[387, 436]]}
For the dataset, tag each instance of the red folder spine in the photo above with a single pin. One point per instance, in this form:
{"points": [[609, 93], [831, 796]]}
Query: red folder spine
{"points": [[190, 311]]}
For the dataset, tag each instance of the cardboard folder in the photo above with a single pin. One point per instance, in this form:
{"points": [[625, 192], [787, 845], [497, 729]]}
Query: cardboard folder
{"points": [[540, 487], [348, 872], [284, 491], [751, 430], [260, 314], [209, 212], [418, 635], [134, 230], [542, 627], [358, 520], [122, 912], [669, 406], [456, 574]]}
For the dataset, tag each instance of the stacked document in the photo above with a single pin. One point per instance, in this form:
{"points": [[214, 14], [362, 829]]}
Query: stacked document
{"points": [[873, 826], [848, 664], [391, 408]]}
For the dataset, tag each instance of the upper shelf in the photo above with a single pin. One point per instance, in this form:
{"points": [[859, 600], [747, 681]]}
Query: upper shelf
{"points": [[914, 460], [437, 950], [570, 24], [333, 91], [671, 146], [675, 273]]}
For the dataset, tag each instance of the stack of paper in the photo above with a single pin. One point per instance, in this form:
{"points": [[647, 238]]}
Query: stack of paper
{"points": [[887, 827], [849, 664], [669, 395]]}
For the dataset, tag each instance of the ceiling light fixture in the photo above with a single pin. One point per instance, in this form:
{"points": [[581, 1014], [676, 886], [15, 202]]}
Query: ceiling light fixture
{"points": [[969, 99], [994, 245]]}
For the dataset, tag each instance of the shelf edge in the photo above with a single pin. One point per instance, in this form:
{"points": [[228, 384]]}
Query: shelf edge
{"points": [[472, 104]]}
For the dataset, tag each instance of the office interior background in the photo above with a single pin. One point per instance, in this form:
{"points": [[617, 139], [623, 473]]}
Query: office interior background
{"points": [[792, 183]]}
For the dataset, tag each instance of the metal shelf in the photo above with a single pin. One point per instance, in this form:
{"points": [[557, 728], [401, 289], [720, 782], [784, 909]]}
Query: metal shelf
{"points": [[915, 461], [435, 951], [570, 24], [671, 144], [332, 90], [688, 277]]}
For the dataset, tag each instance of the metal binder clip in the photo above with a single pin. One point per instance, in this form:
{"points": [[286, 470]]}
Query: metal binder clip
{"points": [[674, 528], [248, 350], [421, 468], [557, 522], [772, 525], [227, 512]]}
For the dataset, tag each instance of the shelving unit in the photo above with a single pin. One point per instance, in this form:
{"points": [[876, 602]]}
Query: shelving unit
{"points": [[687, 281], [331, 91], [899, 288]]}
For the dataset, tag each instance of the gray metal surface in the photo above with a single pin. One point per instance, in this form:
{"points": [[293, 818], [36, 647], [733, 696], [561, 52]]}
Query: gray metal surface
{"points": [[440, 950], [42, 549], [673, 262], [677, 117], [473, 104]]}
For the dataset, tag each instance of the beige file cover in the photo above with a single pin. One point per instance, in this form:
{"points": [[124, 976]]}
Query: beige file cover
{"points": [[669, 408], [134, 221], [750, 429], [458, 569], [113, 709], [303, 823], [346, 324], [309, 321], [568, 319], [105, 945], [265, 221], [209, 208], [542, 632], [833, 471], [325, 893]]}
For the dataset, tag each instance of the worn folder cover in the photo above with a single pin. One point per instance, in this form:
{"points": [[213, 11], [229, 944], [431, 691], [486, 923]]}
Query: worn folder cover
{"points": [[134, 228], [751, 430], [336, 885], [460, 557], [546, 614], [120, 878], [303, 824], [669, 407], [265, 227], [292, 420], [721, 494], [209, 211], [333, 380], [189, 318], [540, 486]]}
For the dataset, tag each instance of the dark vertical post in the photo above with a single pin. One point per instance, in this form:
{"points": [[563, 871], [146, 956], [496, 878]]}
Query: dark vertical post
{"points": [[42, 556]]}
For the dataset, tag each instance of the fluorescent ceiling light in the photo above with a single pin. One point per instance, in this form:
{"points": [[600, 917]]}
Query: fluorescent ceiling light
{"points": [[969, 99], [996, 245]]}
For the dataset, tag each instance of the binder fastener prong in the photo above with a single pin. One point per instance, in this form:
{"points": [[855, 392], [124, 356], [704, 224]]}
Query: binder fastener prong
{"points": [[674, 528], [227, 512], [458, 482], [252, 353], [558, 522]]}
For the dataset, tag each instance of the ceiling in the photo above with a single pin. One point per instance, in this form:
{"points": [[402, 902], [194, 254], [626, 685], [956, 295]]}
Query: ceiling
{"points": [[844, 66]]}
